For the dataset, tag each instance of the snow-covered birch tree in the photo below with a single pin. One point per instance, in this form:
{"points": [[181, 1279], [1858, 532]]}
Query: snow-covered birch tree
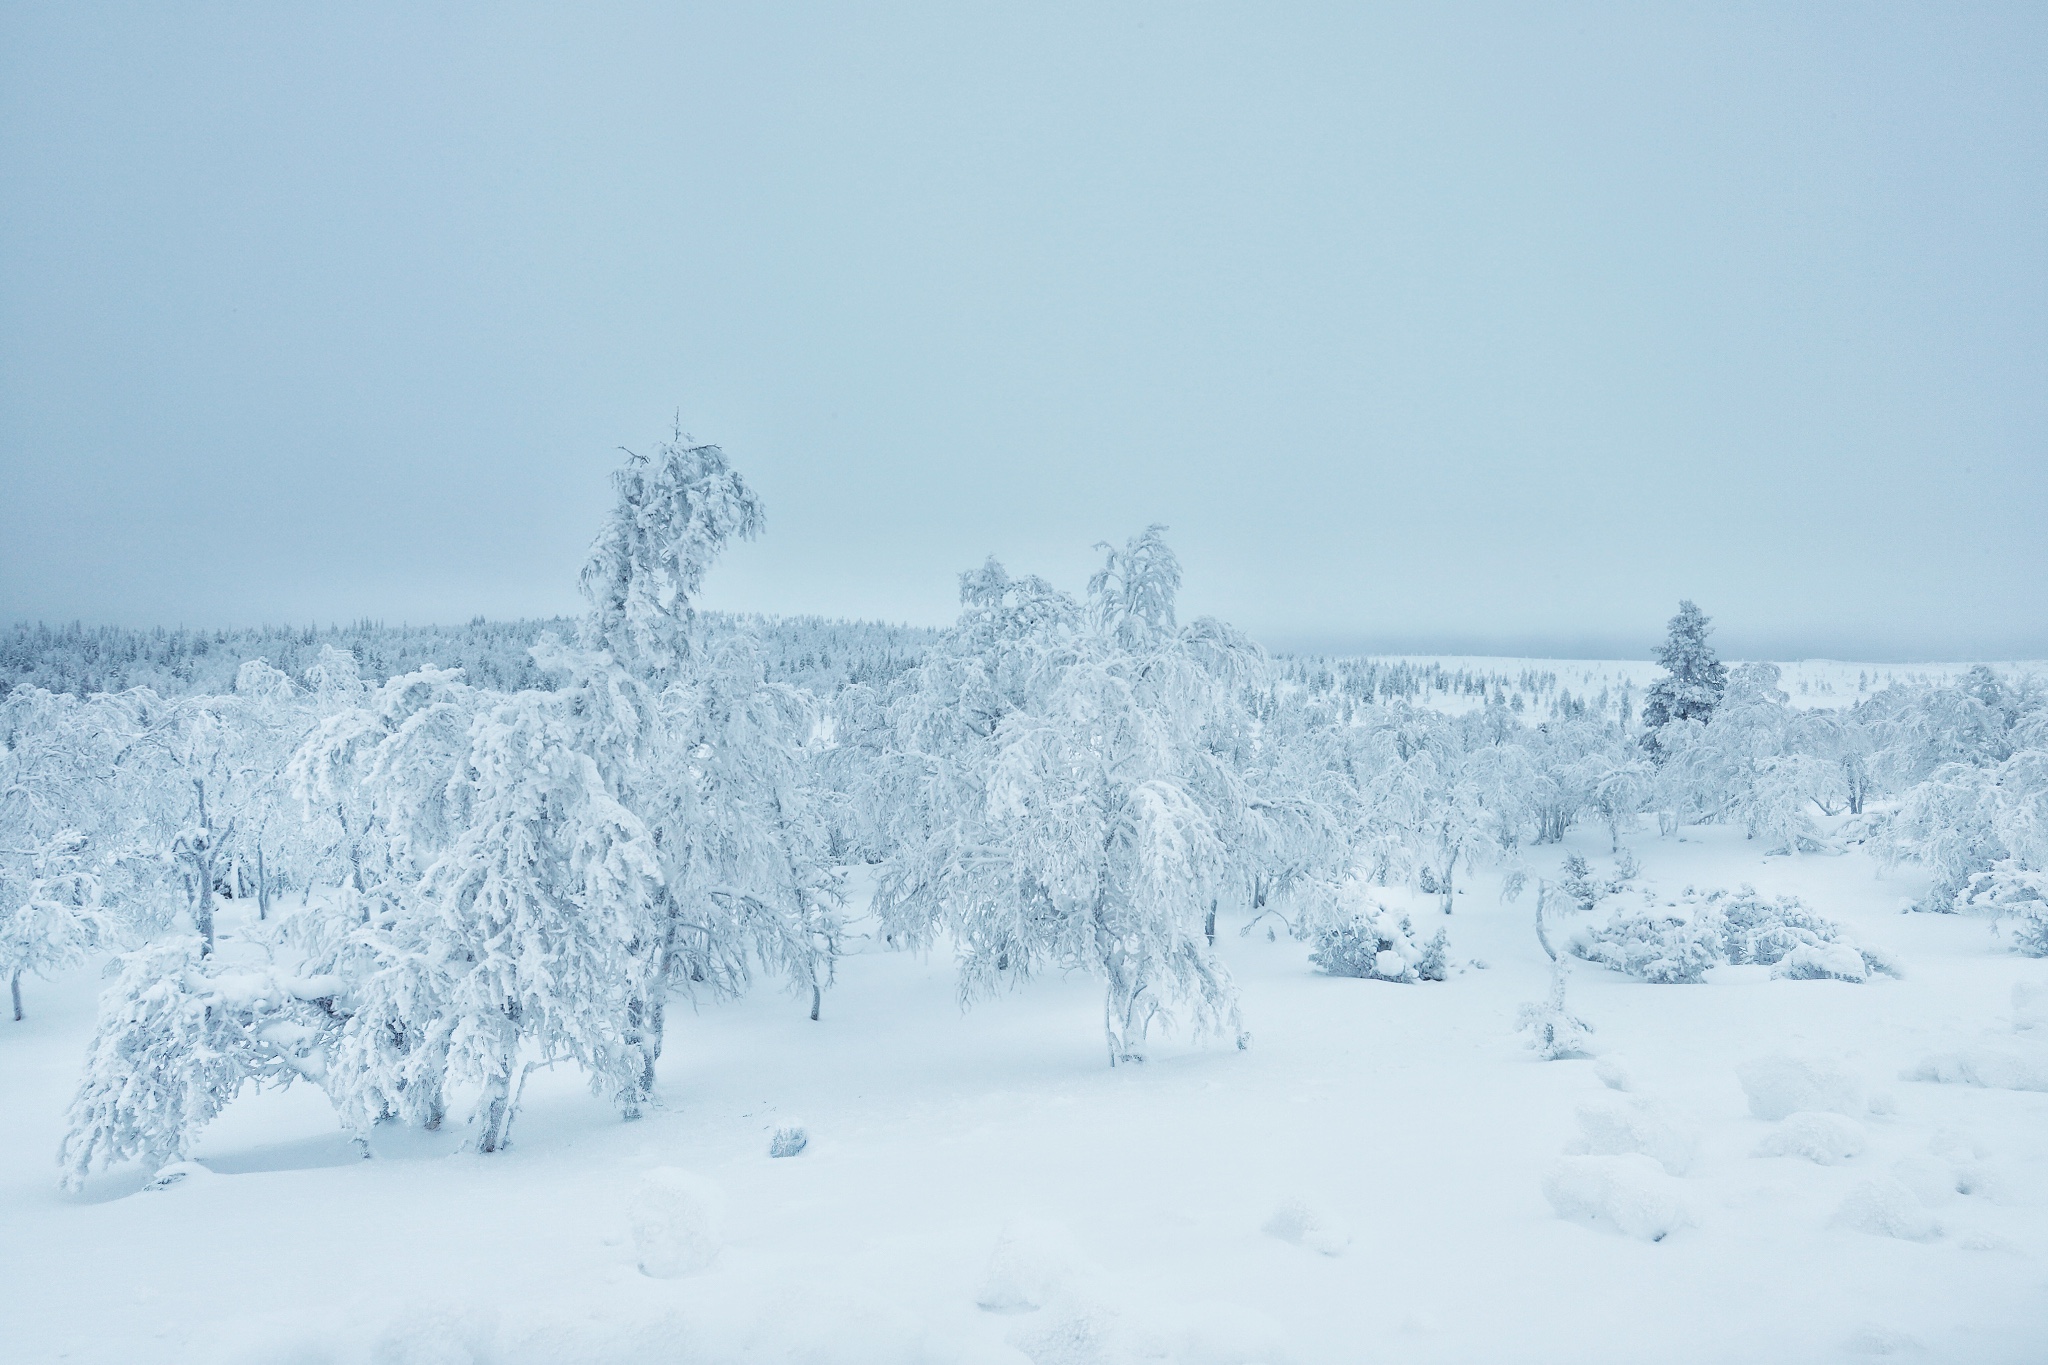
{"points": [[1063, 825]]}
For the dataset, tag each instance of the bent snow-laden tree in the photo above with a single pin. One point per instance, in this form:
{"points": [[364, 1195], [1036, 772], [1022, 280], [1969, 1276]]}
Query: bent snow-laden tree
{"points": [[509, 879], [1063, 817]]}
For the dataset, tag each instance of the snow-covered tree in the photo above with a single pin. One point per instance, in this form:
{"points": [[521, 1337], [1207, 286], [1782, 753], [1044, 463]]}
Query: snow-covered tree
{"points": [[56, 920], [162, 1065], [1694, 678], [1064, 816], [533, 910]]}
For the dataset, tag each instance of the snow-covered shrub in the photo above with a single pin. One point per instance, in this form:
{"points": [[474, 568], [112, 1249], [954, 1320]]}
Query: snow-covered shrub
{"points": [[1886, 1208], [1554, 1031], [2011, 889], [1629, 1193], [1824, 1139], [1577, 884], [1661, 948], [1781, 1085], [676, 1218], [1755, 930], [1381, 945], [1821, 962], [1614, 1126], [788, 1139]]}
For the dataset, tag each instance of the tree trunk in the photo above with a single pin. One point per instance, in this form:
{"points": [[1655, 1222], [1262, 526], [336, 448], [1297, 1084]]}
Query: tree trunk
{"points": [[815, 1001], [497, 1110], [631, 1094], [1209, 925], [14, 986], [262, 885], [202, 874]]}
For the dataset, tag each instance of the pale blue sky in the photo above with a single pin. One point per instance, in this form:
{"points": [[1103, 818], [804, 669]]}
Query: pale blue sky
{"points": [[1432, 327]]}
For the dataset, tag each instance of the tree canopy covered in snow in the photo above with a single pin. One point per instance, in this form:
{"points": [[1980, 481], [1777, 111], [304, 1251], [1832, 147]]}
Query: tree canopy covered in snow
{"points": [[413, 885]]}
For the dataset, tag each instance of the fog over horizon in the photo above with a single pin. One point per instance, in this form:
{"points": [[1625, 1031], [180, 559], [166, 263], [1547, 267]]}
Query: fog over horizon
{"points": [[1472, 331]]}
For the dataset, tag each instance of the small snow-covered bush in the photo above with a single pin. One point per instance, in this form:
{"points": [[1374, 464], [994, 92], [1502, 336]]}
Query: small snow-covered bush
{"points": [[1380, 945], [1615, 1127], [1780, 1086], [1666, 949], [1824, 1139], [1821, 962], [1758, 931], [788, 1140], [1677, 943], [1554, 1031], [2031, 935], [1629, 1193]]}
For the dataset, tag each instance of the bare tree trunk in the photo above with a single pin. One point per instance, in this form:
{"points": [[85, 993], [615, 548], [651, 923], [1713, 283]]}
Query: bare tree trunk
{"points": [[1542, 936], [816, 1000], [202, 874], [1209, 925], [262, 885], [14, 986]]}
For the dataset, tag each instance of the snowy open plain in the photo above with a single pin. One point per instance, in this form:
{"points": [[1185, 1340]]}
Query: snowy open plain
{"points": [[1366, 1181]]}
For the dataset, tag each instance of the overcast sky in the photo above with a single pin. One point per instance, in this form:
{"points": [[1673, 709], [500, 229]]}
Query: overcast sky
{"points": [[1429, 328]]}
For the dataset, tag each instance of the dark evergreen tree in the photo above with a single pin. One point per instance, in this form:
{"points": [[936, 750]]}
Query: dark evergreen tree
{"points": [[1694, 678]]}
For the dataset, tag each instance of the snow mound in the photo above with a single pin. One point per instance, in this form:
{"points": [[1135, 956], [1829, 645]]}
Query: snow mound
{"points": [[788, 1139], [1780, 1086], [1991, 1068], [1613, 1072], [1824, 1139], [1821, 962], [1032, 1265], [1887, 1208], [1297, 1224], [1629, 1193], [430, 1337], [1213, 1334], [676, 1218], [2029, 1006], [1615, 1127], [1872, 1340], [1074, 1332]]}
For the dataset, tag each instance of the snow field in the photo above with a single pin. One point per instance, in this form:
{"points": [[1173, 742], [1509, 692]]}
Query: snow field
{"points": [[979, 1187]]}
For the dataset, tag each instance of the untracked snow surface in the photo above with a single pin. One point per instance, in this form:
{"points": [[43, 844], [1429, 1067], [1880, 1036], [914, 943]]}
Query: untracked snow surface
{"points": [[1750, 1169]]}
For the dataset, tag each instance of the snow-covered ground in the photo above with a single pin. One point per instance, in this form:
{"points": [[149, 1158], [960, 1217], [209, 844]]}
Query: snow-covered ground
{"points": [[1367, 1181]]}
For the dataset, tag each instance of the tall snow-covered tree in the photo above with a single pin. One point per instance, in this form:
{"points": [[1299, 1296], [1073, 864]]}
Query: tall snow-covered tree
{"points": [[1694, 678], [693, 739]]}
